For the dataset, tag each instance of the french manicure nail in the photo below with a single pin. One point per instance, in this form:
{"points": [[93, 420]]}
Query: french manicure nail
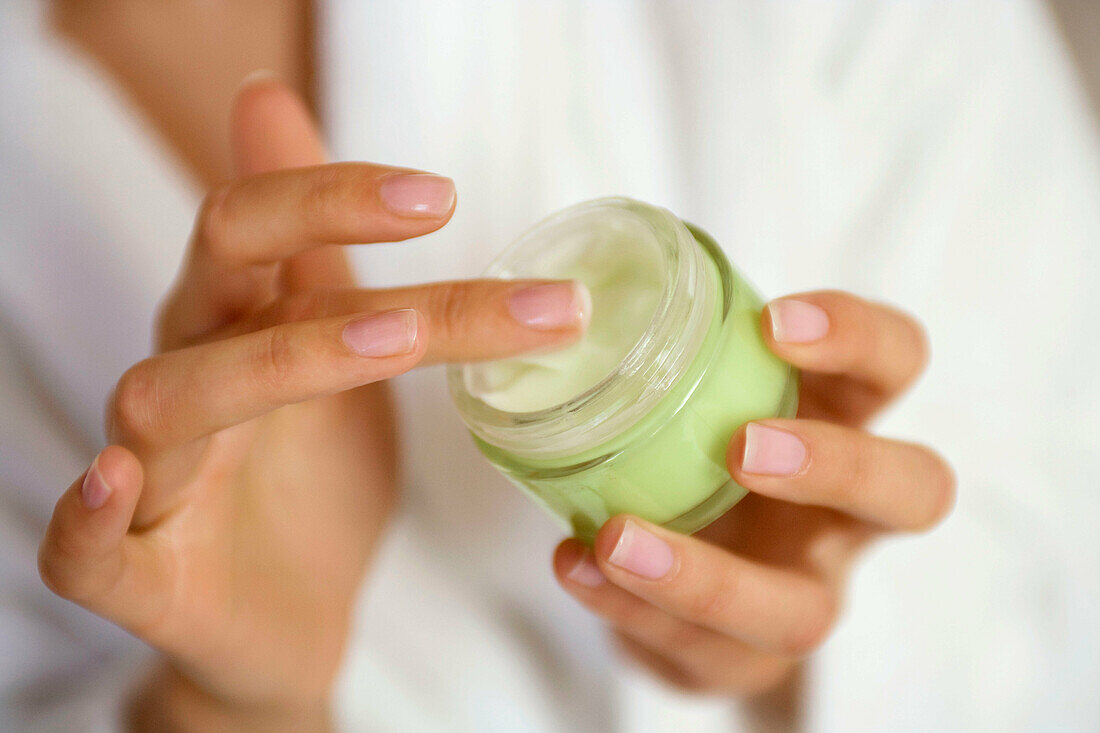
{"points": [[550, 305], [94, 492], [382, 334], [772, 452], [418, 194], [797, 322], [586, 572], [642, 553]]}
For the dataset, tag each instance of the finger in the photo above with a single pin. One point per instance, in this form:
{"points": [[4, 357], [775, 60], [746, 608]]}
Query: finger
{"points": [[186, 394], [258, 222], [191, 392], [271, 128], [266, 218], [857, 355], [700, 658], [770, 609], [889, 483], [87, 556], [470, 320], [272, 131]]}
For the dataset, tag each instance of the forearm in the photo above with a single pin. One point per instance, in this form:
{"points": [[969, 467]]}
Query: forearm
{"points": [[167, 701]]}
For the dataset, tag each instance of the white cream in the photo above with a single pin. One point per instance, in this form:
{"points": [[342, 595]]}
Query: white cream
{"points": [[617, 259]]}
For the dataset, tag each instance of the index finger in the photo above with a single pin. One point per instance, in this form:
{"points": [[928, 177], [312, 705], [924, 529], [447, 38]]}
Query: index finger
{"points": [[857, 355], [282, 215]]}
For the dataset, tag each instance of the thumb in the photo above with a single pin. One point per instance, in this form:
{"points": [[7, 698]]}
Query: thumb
{"points": [[271, 128]]}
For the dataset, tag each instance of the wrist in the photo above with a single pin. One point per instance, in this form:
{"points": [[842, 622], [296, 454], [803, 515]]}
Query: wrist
{"points": [[169, 701]]}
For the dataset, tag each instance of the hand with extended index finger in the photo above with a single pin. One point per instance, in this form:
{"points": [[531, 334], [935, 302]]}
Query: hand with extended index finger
{"points": [[254, 459], [732, 609]]}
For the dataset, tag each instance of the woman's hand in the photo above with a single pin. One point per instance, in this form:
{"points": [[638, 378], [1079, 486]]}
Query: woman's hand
{"points": [[732, 609], [254, 457]]}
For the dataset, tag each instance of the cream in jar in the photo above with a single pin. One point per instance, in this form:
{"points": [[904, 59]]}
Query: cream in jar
{"points": [[634, 417]]}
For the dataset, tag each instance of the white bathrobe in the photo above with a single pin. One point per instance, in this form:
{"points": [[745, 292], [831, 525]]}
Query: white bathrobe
{"points": [[939, 155]]}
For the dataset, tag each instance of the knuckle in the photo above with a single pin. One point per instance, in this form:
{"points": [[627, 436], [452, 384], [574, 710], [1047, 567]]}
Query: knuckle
{"points": [[859, 472], [879, 339], [135, 411], [714, 598], [213, 225], [901, 341], [448, 306], [810, 632], [274, 359], [326, 197]]}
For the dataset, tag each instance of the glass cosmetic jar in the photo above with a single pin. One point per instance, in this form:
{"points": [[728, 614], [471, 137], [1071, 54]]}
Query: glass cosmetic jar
{"points": [[636, 416]]}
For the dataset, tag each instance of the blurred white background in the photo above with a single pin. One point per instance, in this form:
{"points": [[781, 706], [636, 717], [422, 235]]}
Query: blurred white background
{"points": [[942, 156]]}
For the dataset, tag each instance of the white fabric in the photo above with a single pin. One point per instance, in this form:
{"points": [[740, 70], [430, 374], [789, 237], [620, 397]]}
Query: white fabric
{"points": [[938, 155]]}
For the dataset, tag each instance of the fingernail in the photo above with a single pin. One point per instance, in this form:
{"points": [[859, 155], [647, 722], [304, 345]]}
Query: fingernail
{"points": [[382, 334], [642, 553], [94, 491], [418, 194], [550, 305], [772, 452], [796, 322], [586, 572]]}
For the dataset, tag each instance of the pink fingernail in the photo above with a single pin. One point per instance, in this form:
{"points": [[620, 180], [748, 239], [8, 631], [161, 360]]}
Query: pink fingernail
{"points": [[796, 322], [772, 452], [94, 492], [642, 553], [382, 334], [550, 305], [586, 572], [418, 194]]}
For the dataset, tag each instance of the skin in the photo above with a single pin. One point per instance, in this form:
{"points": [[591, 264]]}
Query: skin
{"points": [[247, 492]]}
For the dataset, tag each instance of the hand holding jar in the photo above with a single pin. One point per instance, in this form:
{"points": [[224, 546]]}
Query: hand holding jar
{"points": [[678, 404], [733, 608]]}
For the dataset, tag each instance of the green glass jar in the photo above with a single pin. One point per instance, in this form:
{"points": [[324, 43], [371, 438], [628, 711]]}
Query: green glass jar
{"points": [[636, 417]]}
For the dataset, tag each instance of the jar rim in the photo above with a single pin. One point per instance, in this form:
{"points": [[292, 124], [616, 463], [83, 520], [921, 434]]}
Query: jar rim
{"points": [[654, 363]]}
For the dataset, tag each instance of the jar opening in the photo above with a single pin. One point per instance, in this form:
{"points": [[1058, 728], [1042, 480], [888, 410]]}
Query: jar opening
{"points": [[652, 303], [617, 255]]}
